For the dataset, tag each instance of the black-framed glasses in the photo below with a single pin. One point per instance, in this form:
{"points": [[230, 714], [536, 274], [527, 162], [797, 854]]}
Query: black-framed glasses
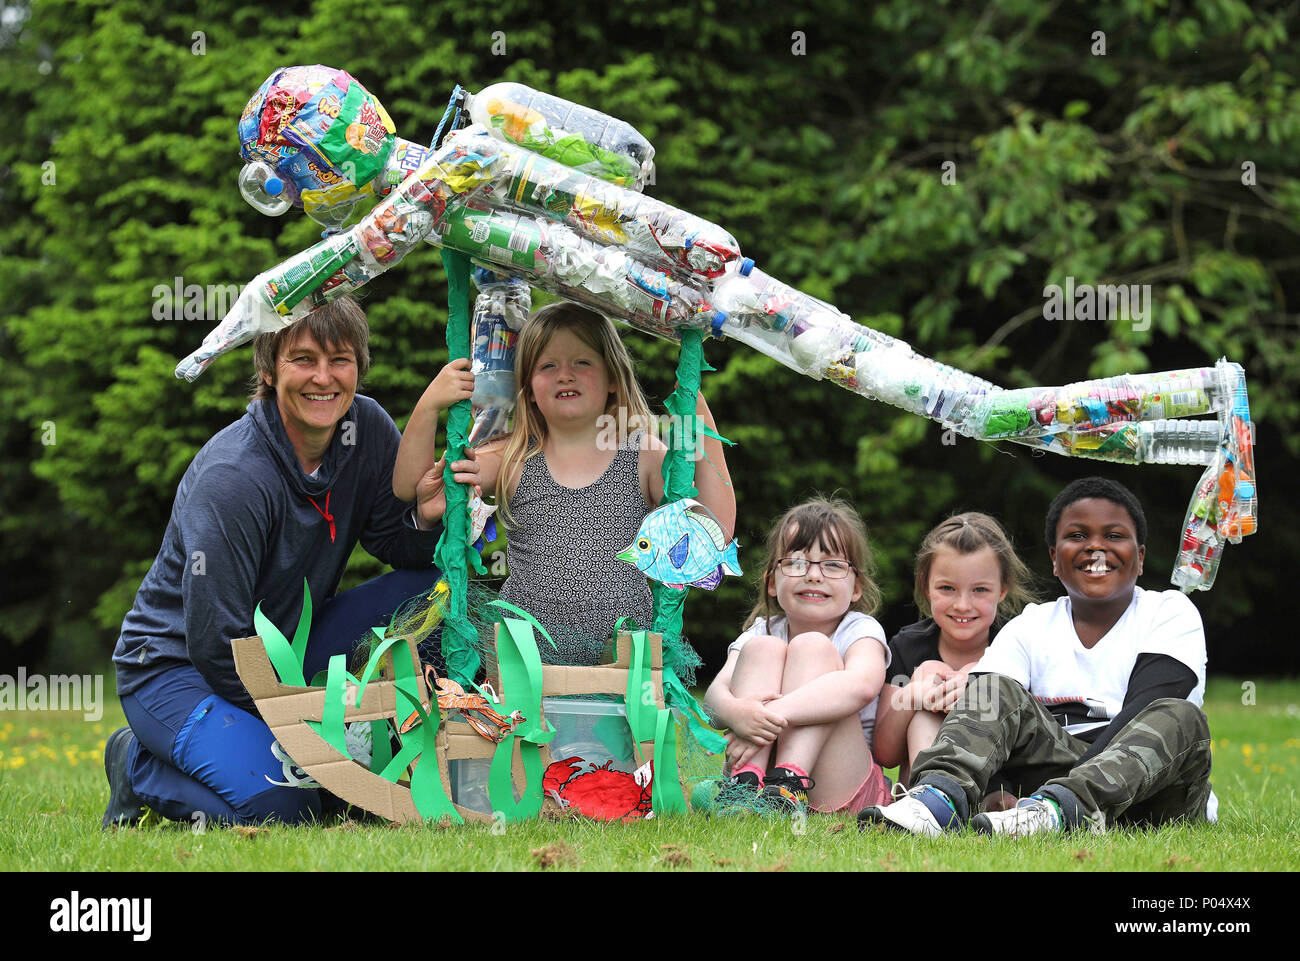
{"points": [[798, 567]]}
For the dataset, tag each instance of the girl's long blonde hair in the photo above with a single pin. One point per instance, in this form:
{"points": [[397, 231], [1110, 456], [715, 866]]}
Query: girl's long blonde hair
{"points": [[528, 434], [831, 524]]}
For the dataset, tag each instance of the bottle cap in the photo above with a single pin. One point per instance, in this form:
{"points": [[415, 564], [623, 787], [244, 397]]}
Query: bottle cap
{"points": [[746, 266], [273, 186], [719, 318]]}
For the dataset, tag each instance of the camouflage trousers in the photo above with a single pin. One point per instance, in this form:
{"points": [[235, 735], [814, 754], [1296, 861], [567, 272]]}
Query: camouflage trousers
{"points": [[1156, 769]]}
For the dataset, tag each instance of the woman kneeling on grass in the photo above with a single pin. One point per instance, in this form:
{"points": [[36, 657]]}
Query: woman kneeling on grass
{"points": [[1092, 701]]}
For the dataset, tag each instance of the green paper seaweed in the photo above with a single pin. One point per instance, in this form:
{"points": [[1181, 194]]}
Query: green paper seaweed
{"points": [[666, 788], [640, 715], [286, 658], [330, 727], [427, 790], [520, 665]]}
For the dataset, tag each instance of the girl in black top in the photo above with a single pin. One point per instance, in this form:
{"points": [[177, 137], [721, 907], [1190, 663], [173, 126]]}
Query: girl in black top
{"points": [[968, 582]]}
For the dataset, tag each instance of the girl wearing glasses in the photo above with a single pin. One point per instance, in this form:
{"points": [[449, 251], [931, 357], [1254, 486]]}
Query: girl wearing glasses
{"points": [[798, 691]]}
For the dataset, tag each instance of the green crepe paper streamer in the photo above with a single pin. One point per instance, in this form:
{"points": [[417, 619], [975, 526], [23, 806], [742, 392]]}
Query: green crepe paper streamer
{"points": [[679, 482], [677, 696], [666, 788], [521, 677], [640, 716], [453, 555]]}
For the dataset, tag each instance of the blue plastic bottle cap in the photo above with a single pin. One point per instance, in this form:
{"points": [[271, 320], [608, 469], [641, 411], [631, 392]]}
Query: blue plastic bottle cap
{"points": [[746, 265], [719, 318], [1245, 490], [273, 186]]}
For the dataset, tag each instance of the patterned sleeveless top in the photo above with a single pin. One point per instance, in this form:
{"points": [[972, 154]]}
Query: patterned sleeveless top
{"points": [[560, 550]]}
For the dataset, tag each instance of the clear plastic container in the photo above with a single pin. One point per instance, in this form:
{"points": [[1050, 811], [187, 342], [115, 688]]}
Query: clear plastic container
{"points": [[500, 310], [596, 731], [1179, 441]]}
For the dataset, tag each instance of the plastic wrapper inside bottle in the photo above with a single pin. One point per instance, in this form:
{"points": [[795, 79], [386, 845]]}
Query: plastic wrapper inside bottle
{"points": [[654, 232], [1091, 404], [576, 136], [557, 259], [500, 310]]}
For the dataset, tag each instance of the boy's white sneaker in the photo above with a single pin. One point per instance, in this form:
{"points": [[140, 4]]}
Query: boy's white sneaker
{"points": [[1033, 815], [910, 813]]}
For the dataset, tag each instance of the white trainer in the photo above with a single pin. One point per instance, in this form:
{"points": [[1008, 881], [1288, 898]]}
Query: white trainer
{"points": [[1032, 815], [907, 813]]}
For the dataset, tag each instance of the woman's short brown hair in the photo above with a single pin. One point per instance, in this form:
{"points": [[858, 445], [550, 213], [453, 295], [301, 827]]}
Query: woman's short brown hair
{"points": [[340, 323]]}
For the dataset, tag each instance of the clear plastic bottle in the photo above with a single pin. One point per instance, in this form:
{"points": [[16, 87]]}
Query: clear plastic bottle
{"points": [[263, 188], [1200, 548], [499, 313], [1179, 441], [654, 232], [576, 136], [751, 297], [557, 259]]}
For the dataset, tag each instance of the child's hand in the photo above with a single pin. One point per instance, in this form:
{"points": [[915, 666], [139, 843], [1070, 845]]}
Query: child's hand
{"points": [[431, 499], [929, 692], [951, 691], [754, 721], [739, 751], [929, 669], [454, 383]]}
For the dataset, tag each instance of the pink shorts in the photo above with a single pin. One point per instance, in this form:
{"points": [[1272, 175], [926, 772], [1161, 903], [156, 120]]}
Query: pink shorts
{"points": [[874, 791]]}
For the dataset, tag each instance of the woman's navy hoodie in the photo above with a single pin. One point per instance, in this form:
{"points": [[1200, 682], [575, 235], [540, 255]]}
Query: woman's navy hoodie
{"points": [[248, 526]]}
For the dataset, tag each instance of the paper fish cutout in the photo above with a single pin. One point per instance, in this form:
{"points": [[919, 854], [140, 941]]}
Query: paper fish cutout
{"points": [[481, 522], [677, 547]]}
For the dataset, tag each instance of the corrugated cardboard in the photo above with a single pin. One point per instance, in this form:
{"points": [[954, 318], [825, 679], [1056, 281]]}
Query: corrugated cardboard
{"points": [[286, 708]]}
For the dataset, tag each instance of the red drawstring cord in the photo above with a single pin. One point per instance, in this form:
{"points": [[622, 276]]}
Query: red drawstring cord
{"points": [[325, 513]]}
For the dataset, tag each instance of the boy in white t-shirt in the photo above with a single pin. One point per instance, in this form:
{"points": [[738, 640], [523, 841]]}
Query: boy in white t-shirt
{"points": [[1091, 701]]}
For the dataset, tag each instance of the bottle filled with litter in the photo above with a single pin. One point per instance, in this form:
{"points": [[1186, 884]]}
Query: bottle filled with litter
{"points": [[569, 133]]}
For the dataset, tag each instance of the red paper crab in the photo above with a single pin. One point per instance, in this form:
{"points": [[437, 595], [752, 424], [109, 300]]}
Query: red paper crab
{"points": [[599, 792]]}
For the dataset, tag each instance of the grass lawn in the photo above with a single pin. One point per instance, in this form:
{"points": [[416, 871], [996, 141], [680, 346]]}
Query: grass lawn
{"points": [[53, 792]]}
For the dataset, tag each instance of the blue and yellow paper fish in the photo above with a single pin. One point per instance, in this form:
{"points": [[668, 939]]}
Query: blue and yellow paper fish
{"points": [[677, 547]]}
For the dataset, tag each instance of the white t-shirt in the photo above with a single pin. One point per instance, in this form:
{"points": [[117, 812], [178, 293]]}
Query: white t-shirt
{"points": [[853, 627], [1041, 650]]}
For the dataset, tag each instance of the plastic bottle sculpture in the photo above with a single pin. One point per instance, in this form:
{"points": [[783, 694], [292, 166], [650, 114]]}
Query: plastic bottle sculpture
{"points": [[549, 191]]}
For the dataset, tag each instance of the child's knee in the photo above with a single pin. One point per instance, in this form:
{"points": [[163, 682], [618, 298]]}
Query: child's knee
{"points": [[763, 648], [813, 644]]}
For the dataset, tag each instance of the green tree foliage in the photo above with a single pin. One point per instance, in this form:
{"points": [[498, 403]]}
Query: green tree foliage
{"points": [[1140, 142]]}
